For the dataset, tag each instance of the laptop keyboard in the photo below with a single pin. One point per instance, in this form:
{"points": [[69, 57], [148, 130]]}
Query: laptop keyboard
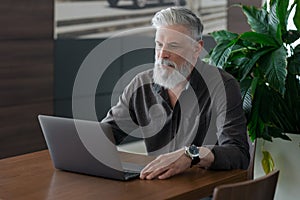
{"points": [[132, 167], [131, 175]]}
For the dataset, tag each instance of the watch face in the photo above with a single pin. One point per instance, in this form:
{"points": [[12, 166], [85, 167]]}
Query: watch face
{"points": [[194, 150]]}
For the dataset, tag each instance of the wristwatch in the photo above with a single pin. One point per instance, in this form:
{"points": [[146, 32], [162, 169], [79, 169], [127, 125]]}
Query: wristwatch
{"points": [[193, 153]]}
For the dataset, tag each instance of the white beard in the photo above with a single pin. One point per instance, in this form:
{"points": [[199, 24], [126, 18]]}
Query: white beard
{"points": [[170, 78]]}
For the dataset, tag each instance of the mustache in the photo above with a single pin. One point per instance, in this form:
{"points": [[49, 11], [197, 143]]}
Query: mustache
{"points": [[166, 62]]}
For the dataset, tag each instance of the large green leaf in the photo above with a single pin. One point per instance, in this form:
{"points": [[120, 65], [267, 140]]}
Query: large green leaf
{"points": [[223, 35], [282, 11], [297, 15], [274, 23], [245, 86], [221, 53], [224, 57], [247, 68], [278, 35], [217, 52], [273, 66], [266, 104], [261, 110], [282, 113], [286, 112], [259, 38], [256, 125], [236, 61], [292, 100], [254, 85], [266, 108], [273, 20], [267, 162], [257, 19]]}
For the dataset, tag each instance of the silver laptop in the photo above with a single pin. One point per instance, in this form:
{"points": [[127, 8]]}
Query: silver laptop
{"points": [[81, 146]]}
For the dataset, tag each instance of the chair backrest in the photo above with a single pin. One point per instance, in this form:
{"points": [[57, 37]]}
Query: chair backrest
{"points": [[262, 188], [252, 148]]}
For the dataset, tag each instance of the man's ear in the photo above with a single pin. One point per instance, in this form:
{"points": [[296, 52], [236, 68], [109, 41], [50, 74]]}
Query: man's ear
{"points": [[198, 48]]}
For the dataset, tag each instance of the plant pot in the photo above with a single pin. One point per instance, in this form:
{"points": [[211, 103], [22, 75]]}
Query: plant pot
{"points": [[286, 158]]}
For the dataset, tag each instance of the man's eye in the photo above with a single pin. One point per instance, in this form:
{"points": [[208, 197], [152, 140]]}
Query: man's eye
{"points": [[173, 46], [158, 46]]}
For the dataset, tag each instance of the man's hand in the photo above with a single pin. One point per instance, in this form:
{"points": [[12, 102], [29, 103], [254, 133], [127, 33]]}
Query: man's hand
{"points": [[166, 165]]}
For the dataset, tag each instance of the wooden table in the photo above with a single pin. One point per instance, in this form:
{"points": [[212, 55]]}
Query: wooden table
{"points": [[32, 176]]}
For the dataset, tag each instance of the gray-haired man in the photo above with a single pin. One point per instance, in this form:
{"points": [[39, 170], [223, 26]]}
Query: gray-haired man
{"points": [[182, 101]]}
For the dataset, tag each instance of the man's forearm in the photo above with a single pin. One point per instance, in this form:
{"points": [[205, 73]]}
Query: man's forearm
{"points": [[206, 157]]}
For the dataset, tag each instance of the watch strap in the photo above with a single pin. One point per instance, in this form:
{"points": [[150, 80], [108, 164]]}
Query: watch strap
{"points": [[195, 160]]}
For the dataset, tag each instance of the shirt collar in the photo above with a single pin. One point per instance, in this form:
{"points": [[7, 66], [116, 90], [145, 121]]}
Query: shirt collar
{"points": [[157, 88]]}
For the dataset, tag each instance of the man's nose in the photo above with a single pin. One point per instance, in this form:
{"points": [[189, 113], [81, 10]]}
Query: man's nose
{"points": [[164, 53]]}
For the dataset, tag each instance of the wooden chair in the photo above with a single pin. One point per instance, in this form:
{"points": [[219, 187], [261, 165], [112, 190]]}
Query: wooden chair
{"points": [[252, 149], [262, 188]]}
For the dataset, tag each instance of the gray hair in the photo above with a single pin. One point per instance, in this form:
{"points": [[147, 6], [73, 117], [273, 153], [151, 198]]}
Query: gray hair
{"points": [[179, 15]]}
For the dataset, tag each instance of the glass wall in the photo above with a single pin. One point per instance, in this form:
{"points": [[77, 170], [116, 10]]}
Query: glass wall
{"points": [[103, 18]]}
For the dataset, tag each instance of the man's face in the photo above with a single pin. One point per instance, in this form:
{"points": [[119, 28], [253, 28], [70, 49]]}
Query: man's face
{"points": [[175, 55]]}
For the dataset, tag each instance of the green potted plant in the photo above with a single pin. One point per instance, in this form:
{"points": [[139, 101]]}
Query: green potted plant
{"points": [[266, 62]]}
